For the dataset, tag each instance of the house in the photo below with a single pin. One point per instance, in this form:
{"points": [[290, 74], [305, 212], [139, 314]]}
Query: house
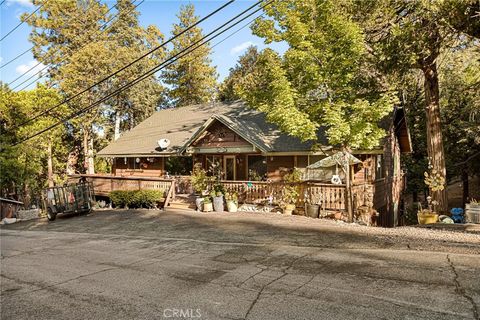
{"points": [[248, 148]]}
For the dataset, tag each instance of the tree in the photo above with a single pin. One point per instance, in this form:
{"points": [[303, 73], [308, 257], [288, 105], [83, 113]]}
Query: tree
{"points": [[321, 80], [67, 36], [245, 65], [32, 165], [408, 35], [129, 40], [192, 78]]}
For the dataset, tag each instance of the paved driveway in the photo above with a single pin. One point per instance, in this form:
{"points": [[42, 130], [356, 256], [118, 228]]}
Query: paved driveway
{"points": [[183, 265]]}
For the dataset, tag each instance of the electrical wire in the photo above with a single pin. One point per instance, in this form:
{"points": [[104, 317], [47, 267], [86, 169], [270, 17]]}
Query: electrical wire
{"points": [[22, 22], [155, 69], [51, 54], [129, 64]]}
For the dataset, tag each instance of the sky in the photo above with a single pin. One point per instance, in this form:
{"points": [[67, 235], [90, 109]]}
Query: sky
{"points": [[161, 13]]}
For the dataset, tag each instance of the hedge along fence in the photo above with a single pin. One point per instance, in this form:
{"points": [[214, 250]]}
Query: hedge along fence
{"points": [[137, 198]]}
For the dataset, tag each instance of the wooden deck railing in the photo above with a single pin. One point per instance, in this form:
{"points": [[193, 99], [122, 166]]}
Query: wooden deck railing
{"points": [[329, 196], [104, 184]]}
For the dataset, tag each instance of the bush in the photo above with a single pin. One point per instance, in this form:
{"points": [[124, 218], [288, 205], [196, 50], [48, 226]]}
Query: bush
{"points": [[136, 198]]}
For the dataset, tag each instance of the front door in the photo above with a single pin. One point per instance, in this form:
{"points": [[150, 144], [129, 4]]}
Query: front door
{"points": [[229, 166]]}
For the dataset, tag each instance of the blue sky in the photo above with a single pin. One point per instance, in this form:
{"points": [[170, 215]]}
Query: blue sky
{"points": [[161, 13]]}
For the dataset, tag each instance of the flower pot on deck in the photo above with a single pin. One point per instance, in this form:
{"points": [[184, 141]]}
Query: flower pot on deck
{"points": [[427, 218], [207, 207], [232, 206], [198, 203], [289, 209], [218, 204], [312, 210]]}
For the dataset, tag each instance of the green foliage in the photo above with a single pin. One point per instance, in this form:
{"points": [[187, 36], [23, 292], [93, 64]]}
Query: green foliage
{"points": [[136, 198], [291, 190], [321, 79], [231, 196], [238, 74], [192, 78], [24, 168], [199, 178]]}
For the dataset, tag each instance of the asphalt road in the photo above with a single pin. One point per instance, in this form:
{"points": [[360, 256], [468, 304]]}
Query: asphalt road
{"points": [[180, 265]]}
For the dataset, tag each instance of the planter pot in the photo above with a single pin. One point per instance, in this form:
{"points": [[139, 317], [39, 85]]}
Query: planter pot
{"points": [[198, 203], [427, 218], [472, 213], [232, 206], [218, 204], [311, 210], [289, 209], [207, 207]]}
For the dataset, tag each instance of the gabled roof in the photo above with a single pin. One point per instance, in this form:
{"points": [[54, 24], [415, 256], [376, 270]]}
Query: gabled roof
{"points": [[179, 125]]}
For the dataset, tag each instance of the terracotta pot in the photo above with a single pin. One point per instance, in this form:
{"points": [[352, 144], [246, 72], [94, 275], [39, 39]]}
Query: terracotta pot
{"points": [[207, 207], [232, 206], [289, 209], [427, 218]]}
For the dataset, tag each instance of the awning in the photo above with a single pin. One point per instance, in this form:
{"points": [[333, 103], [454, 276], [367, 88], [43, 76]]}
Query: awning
{"points": [[335, 159]]}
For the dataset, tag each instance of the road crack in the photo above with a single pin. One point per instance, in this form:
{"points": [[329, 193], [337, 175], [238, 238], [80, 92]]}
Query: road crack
{"points": [[460, 290]]}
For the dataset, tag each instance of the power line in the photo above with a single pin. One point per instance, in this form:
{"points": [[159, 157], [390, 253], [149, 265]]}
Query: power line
{"points": [[18, 56], [155, 69], [129, 64], [2, 2], [51, 54], [23, 21]]}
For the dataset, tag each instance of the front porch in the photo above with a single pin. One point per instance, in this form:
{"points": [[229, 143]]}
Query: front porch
{"points": [[330, 197]]}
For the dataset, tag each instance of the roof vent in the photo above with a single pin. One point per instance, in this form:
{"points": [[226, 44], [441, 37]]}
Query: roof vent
{"points": [[163, 143]]}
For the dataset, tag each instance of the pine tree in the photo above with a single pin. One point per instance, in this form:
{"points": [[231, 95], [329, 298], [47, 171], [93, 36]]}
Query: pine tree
{"points": [[129, 40], [192, 78], [238, 74]]}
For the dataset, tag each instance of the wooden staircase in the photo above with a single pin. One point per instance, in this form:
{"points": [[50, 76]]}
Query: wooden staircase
{"points": [[182, 201]]}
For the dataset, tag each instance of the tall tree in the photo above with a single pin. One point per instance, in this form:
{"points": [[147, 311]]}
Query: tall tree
{"points": [[129, 40], [67, 36], [238, 74], [321, 80], [192, 78], [407, 35]]}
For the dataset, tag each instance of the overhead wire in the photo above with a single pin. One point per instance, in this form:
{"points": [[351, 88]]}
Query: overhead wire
{"points": [[128, 64], [23, 21], [157, 68], [52, 53]]}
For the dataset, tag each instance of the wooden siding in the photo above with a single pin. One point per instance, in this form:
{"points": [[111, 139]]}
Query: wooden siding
{"points": [[218, 135], [143, 169]]}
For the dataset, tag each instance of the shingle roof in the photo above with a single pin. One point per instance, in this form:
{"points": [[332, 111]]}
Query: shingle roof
{"points": [[180, 124]]}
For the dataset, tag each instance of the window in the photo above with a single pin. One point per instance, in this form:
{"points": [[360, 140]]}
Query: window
{"points": [[178, 166], [257, 168], [379, 167]]}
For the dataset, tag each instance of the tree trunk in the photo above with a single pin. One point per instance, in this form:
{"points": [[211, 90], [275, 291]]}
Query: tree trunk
{"points": [[117, 126], [348, 186], [88, 151], [434, 133], [50, 165], [466, 191]]}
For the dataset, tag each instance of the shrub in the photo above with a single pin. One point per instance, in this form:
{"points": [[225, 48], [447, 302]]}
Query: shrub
{"points": [[136, 198]]}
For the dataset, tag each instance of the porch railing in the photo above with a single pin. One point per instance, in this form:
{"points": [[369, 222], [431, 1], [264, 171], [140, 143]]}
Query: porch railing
{"points": [[329, 196], [103, 184]]}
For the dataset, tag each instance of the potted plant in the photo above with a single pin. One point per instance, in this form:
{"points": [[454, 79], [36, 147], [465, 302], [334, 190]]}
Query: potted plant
{"points": [[291, 191], [217, 197], [472, 211], [207, 204], [232, 201], [435, 182], [311, 210], [199, 184]]}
